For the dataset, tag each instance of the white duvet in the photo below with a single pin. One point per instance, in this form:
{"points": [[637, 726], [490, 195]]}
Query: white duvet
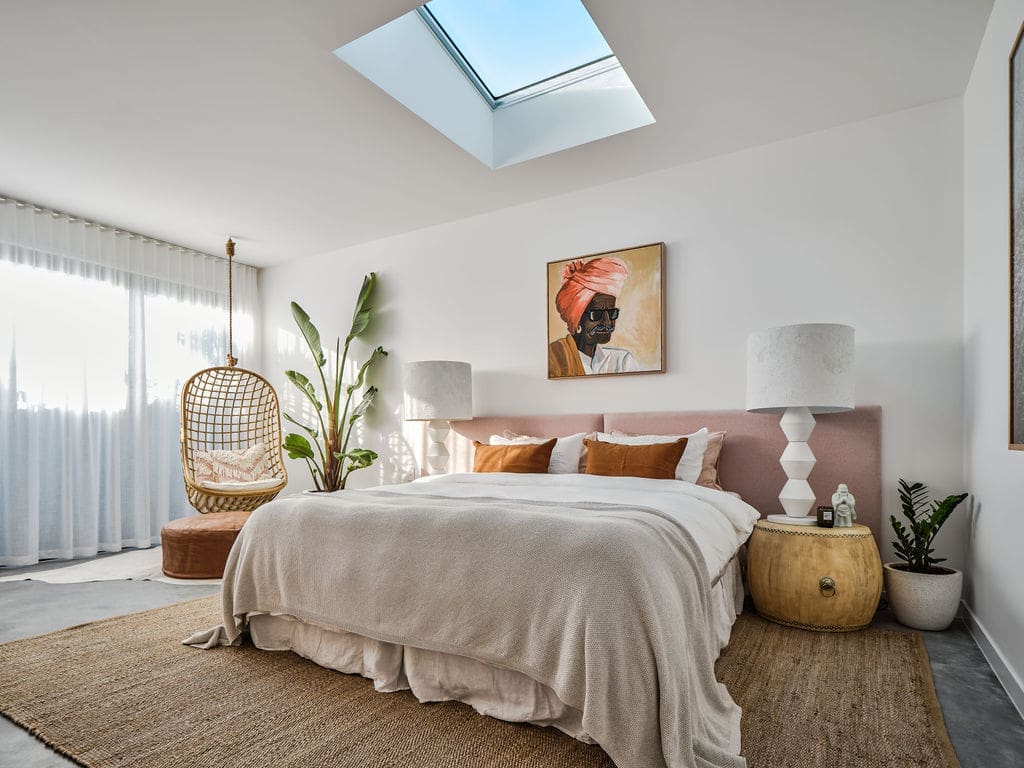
{"points": [[668, 544], [719, 521]]}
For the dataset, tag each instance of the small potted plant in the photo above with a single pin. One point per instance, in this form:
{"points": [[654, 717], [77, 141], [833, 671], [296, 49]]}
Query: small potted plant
{"points": [[922, 593]]}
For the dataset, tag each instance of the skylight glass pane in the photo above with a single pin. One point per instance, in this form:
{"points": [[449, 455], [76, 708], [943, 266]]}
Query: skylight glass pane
{"points": [[511, 44]]}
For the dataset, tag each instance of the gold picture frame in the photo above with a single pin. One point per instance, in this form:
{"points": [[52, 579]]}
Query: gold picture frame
{"points": [[606, 313]]}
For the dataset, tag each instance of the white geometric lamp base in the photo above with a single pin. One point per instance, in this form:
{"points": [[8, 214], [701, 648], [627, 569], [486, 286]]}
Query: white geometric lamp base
{"points": [[797, 499], [437, 452], [797, 460]]}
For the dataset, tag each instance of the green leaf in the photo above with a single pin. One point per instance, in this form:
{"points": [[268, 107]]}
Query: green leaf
{"points": [[943, 509], [358, 458], [360, 410], [913, 499], [365, 292], [312, 432], [359, 324], [305, 386], [361, 374], [310, 333], [362, 312], [298, 447]]}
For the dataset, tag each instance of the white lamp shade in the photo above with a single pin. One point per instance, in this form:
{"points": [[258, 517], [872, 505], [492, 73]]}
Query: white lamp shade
{"points": [[438, 389], [801, 366]]}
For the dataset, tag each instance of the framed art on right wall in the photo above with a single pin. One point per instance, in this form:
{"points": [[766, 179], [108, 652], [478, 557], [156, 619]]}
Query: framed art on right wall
{"points": [[1016, 108]]}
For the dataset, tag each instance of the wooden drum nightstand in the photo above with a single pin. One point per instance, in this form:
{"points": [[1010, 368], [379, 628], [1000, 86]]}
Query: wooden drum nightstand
{"points": [[826, 579]]}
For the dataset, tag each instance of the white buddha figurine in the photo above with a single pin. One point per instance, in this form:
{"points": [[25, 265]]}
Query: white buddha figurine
{"points": [[844, 504]]}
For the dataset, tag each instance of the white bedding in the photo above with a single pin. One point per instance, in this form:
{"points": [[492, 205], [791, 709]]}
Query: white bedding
{"points": [[720, 524], [434, 676], [536, 612]]}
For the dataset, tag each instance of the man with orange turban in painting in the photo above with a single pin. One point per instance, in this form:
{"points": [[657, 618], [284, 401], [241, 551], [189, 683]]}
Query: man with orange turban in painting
{"points": [[586, 302]]}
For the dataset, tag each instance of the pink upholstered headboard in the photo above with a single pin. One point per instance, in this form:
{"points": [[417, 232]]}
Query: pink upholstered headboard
{"points": [[848, 447], [483, 427], [460, 442]]}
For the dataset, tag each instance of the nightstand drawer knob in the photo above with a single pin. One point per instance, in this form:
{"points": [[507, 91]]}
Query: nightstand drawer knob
{"points": [[827, 585]]}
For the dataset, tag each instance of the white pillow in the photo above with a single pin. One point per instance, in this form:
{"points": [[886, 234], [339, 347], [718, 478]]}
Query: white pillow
{"points": [[565, 457], [689, 465]]}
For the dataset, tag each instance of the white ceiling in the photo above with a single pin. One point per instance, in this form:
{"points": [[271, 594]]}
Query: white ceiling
{"points": [[189, 120]]}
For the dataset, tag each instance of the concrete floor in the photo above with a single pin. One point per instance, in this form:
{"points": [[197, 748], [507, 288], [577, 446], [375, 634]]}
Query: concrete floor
{"points": [[986, 730], [984, 726]]}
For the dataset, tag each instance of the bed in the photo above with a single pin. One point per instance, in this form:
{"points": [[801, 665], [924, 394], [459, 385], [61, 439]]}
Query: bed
{"points": [[595, 605]]}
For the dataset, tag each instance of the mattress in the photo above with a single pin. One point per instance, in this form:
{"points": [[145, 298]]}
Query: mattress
{"points": [[434, 676]]}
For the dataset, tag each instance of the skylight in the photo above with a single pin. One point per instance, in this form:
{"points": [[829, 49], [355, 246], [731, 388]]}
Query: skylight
{"points": [[510, 45], [506, 80]]}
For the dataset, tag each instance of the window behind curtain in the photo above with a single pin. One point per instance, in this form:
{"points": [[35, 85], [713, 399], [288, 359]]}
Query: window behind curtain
{"points": [[98, 331]]}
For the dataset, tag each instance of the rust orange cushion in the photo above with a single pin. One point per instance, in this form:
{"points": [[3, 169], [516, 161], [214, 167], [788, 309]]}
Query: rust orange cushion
{"points": [[657, 461], [522, 457]]}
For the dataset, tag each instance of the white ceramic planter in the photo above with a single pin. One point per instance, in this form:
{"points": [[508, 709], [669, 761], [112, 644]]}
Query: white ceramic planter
{"points": [[923, 600]]}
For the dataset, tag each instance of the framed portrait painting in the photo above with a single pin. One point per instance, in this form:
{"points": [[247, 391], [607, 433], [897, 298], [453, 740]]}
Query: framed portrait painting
{"points": [[1017, 245], [606, 313]]}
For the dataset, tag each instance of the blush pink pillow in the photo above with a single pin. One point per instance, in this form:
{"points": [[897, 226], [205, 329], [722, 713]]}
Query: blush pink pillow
{"points": [[709, 467]]}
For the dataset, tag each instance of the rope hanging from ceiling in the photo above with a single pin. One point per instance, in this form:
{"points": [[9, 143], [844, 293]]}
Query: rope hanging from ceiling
{"points": [[227, 408]]}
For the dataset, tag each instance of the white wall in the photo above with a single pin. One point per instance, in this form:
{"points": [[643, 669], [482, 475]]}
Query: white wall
{"points": [[860, 224], [995, 475]]}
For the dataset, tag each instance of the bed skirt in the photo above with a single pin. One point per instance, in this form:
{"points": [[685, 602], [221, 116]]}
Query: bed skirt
{"points": [[501, 693]]}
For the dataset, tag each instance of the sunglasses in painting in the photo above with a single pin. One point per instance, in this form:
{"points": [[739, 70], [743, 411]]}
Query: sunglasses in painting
{"points": [[594, 315]]}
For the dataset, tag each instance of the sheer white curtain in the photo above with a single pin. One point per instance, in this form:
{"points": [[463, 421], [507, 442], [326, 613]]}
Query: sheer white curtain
{"points": [[98, 330]]}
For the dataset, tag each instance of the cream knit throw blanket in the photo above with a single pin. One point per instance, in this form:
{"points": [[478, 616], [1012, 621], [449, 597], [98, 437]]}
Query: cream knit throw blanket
{"points": [[608, 606]]}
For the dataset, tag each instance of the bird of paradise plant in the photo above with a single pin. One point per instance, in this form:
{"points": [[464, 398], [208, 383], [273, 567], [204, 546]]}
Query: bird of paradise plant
{"points": [[338, 407]]}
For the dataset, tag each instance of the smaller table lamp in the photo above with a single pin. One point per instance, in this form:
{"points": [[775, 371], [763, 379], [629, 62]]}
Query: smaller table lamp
{"points": [[438, 391], [799, 370]]}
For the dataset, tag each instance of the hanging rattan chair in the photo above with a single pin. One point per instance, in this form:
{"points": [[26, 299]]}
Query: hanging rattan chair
{"points": [[230, 408]]}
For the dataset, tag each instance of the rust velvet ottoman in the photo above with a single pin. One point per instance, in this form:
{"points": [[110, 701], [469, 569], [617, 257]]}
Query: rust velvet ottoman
{"points": [[196, 547]]}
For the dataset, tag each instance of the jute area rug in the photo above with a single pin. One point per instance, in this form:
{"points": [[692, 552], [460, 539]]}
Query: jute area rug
{"points": [[124, 692]]}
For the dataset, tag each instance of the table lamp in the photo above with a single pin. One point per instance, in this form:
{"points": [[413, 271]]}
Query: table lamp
{"points": [[798, 371], [437, 391]]}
